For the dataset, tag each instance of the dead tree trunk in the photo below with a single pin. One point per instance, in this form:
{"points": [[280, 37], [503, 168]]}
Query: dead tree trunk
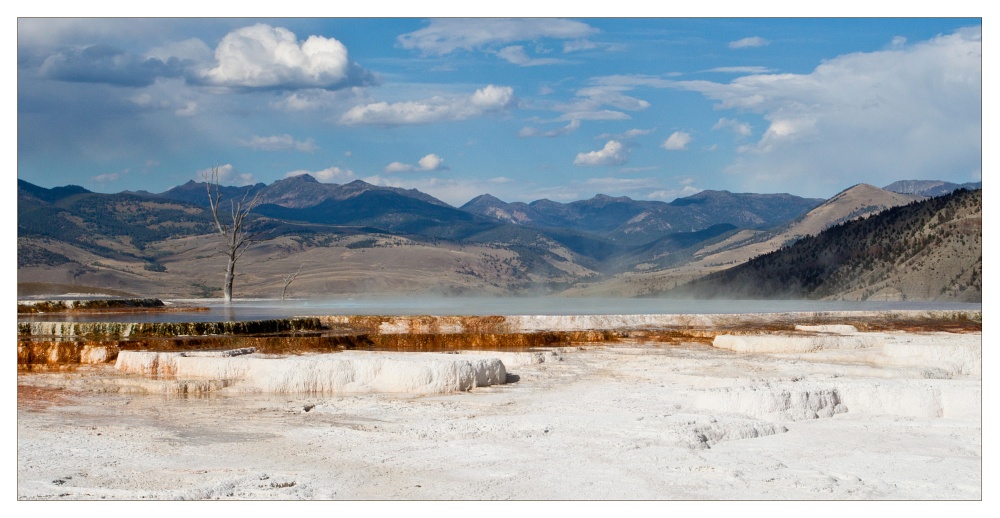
{"points": [[235, 230], [288, 281]]}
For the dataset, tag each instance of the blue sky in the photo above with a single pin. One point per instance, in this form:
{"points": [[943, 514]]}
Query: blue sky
{"points": [[651, 108]]}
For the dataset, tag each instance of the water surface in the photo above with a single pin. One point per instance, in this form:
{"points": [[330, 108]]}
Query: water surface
{"points": [[268, 309]]}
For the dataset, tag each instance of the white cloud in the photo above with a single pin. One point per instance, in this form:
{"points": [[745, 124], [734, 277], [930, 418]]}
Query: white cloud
{"points": [[592, 103], [261, 56], [753, 41], [596, 115], [190, 49], [489, 99], [677, 141], [613, 153], [279, 143], [516, 55], [107, 177], [632, 80], [429, 162], [443, 36], [312, 99], [741, 70], [529, 131], [189, 109], [612, 96], [739, 128], [227, 176], [591, 100], [577, 45], [908, 112], [672, 194], [331, 174], [630, 134]]}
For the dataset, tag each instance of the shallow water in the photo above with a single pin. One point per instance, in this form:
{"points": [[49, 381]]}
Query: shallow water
{"points": [[268, 309]]}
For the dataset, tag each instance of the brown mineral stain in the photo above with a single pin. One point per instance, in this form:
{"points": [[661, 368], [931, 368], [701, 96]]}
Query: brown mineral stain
{"points": [[35, 399]]}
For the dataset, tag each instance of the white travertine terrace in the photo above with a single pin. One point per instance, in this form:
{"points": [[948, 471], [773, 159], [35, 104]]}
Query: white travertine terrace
{"points": [[337, 373], [958, 355], [828, 328]]}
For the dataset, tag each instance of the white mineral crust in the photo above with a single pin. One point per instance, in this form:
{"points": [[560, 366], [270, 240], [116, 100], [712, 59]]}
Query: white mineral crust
{"points": [[817, 414], [348, 372]]}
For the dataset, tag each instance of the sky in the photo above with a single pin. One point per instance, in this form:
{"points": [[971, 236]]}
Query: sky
{"points": [[523, 109]]}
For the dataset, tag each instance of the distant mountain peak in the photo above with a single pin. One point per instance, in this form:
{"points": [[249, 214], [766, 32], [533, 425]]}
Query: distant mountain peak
{"points": [[299, 178], [484, 200]]}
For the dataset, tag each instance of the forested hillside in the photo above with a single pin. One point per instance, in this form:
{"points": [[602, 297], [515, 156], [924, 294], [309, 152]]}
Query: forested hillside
{"points": [[926, 250]]}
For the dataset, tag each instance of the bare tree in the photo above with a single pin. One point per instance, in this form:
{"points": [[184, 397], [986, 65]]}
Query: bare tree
{"points": [[288, 280], [235, 230]]}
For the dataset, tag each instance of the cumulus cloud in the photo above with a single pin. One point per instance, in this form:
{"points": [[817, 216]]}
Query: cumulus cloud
{"points": [[613, 153], [331, 174], [489, 99], [444, 36], [911, 111], [261, 56], [429, 162], [740, 128], [255, 57], [677, 141], [278, 143], [105, 64], [228, 175], [753, 41], [529, 131]]}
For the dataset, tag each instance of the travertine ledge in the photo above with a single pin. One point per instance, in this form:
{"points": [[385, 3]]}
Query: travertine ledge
{"points": [[338, 373]]}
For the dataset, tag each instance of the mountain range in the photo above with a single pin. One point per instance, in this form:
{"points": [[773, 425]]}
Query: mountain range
{"points": [[359, 237]]}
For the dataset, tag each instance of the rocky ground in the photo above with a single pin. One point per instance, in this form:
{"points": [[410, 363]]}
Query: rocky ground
{"points": [[625, 421]]}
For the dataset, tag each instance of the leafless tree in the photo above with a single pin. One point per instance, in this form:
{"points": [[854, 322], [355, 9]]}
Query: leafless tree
{"points": [[236, 230], [288, 280]]}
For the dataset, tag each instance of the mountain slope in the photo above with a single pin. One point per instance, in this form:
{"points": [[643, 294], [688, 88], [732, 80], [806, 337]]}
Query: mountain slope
{"points": [[929, 187], [928, 250], [855, 202]]}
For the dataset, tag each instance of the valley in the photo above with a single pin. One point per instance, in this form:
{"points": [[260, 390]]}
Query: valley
{"points": [[361, 239]]}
